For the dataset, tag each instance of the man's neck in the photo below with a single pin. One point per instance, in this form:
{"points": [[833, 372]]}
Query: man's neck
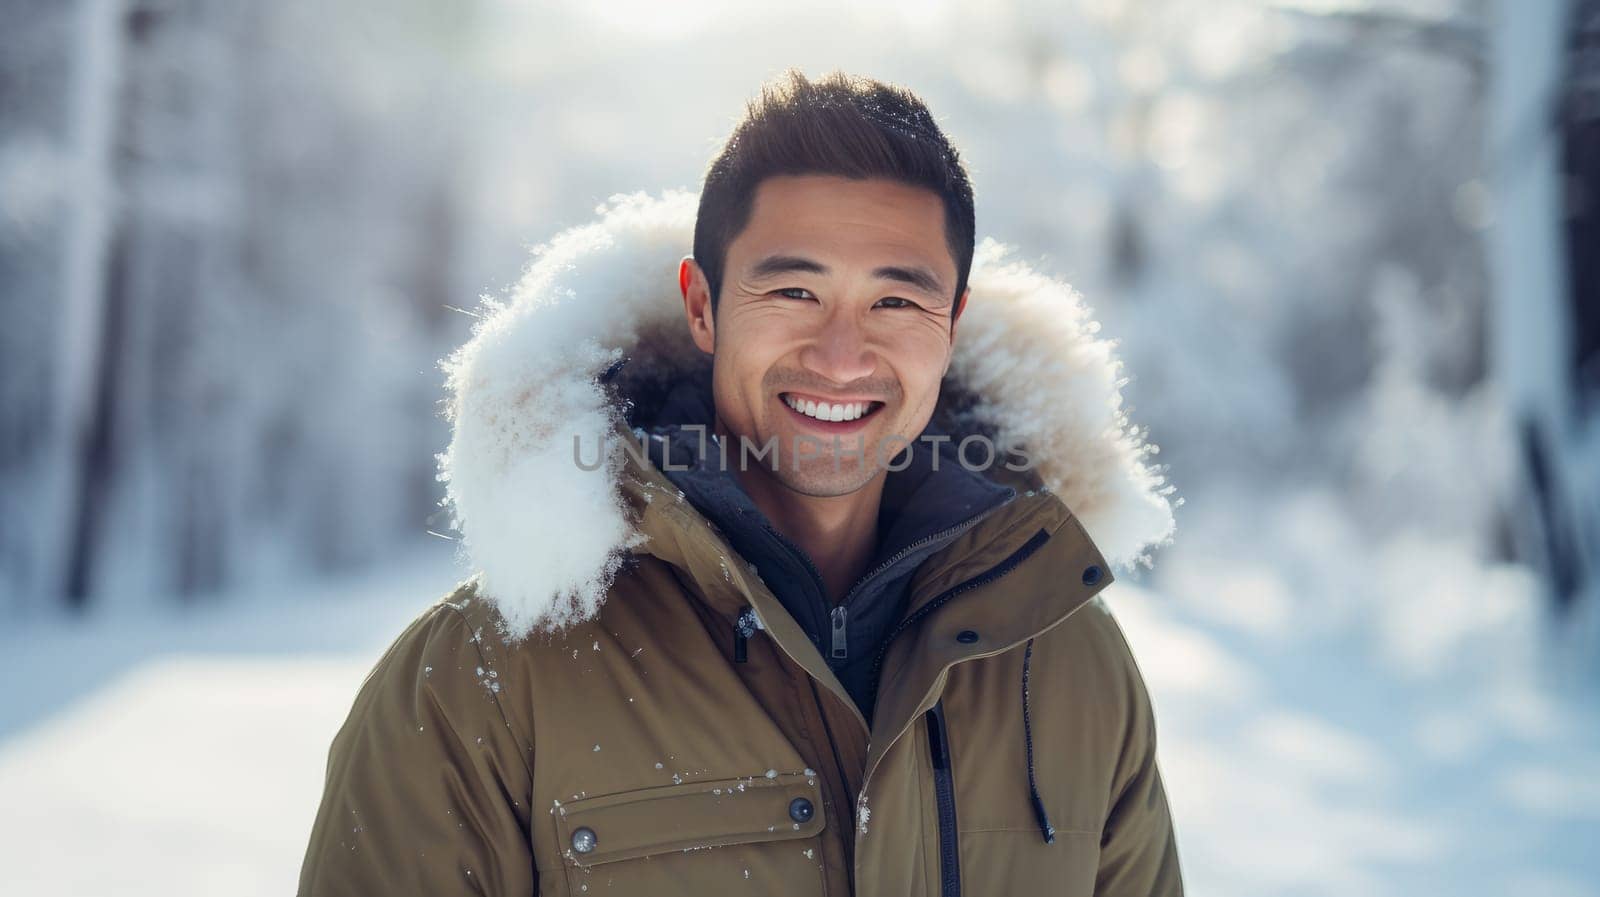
{"points": [[839, 533]]}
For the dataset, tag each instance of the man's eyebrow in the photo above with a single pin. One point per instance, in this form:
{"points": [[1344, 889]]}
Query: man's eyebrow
{"points": [[915, 275]]}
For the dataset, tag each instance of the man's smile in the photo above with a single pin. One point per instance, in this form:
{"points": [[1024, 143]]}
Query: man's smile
{"points": [[840, 415]]}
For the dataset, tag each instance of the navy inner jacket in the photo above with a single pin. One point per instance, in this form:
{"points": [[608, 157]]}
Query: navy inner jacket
{"points": [[922, 510]]}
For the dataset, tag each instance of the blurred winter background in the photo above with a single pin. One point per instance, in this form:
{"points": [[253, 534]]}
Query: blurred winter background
{"points": [[1348, 250]]}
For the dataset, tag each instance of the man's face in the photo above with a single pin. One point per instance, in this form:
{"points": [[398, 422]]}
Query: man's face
{"points": [[837, 293]]}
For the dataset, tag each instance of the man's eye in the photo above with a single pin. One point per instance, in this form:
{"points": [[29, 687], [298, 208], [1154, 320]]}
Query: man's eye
{"points": [[905, 303], [787, 290]]}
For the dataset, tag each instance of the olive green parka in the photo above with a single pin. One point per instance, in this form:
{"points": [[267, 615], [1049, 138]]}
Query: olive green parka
{"points": [[616, 703]]}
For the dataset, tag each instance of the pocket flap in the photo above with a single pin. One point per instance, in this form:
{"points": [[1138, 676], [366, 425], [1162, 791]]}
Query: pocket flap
{"points": [[704, 813]]}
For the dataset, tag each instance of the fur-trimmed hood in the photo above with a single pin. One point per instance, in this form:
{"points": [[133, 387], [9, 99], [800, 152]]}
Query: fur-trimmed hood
{"points": [[545, 537]]}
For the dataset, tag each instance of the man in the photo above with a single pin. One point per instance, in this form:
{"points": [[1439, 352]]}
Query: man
{"points": [[799, 630]]}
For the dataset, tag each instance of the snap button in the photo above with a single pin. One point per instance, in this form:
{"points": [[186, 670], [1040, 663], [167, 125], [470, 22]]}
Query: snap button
{"points": [[583, 840], [1091, 574], [966, 636], [800, 809]]}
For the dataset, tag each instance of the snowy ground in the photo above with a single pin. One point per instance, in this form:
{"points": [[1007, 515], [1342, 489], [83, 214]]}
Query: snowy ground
{"points": [[1297, 769], [185, 755]]}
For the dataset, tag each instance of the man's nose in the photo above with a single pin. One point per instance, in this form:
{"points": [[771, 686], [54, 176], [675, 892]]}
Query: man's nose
{"points": [[840, 350]]}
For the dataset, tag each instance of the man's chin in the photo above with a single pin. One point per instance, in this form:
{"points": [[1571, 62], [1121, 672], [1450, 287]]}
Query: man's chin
{"points": [[818, 478]]}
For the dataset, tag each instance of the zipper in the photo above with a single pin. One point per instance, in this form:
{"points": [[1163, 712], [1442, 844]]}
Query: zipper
{"points": [[945, 797], [837, 617], [744, 627], [840, 649], [816, 575]]}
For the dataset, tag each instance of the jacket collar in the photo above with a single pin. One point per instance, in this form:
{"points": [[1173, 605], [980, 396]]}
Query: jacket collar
{"points": [[547, 518], [1036, 525]]}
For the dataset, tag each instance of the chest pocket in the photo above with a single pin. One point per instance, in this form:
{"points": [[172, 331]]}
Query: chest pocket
{"points": [[701, 837]]}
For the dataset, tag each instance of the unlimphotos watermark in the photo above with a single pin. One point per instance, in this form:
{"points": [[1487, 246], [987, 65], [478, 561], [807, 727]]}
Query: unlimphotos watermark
{"points": [[975, 452]]}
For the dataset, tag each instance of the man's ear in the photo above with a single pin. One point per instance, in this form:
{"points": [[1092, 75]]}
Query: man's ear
{"points": [[697, 304]]}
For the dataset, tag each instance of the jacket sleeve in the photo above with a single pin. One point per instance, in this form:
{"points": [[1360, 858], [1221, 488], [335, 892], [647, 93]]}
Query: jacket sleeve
{"points": [[428, 787], [1138, 846]]}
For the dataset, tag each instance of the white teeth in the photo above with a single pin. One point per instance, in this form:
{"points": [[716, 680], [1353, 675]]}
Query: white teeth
{"points": [[824, 411]]}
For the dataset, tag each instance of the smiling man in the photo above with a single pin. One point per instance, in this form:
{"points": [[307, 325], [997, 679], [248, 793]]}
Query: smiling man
{"points": [[826, 599]]}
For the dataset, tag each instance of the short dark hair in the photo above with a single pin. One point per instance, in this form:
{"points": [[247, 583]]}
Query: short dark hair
{"points": [[837, 125]]}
